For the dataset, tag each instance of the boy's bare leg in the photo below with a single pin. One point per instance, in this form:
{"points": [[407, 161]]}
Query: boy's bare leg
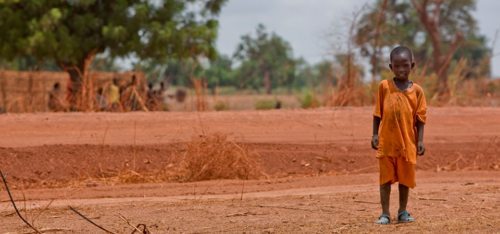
{"points": [[403, 197], [403, 215], [385, 195]]}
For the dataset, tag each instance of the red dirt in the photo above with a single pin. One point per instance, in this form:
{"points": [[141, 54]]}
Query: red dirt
{"points": [[312, 162]]}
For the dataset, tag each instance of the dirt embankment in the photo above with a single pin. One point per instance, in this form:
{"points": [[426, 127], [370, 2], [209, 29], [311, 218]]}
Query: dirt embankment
{"points": [[56, 150]]}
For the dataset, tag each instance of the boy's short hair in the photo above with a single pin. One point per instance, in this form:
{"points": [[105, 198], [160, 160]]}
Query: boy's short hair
{"points": [[401, 49]]}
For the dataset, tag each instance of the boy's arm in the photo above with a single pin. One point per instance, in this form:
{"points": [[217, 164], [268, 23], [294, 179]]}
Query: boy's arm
{"points": [[420, 135], [376, 125]]}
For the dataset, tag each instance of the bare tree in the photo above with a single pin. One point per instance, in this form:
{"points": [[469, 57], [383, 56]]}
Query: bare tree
{"points": [[429, 13]]}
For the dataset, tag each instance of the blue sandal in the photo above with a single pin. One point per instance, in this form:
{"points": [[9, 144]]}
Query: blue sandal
{"points": [[405, 217], [384, 219]]}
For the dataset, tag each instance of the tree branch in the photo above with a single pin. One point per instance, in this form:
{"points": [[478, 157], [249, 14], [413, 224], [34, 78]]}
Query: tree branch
{"points": [[454, 46], [14, 204]]}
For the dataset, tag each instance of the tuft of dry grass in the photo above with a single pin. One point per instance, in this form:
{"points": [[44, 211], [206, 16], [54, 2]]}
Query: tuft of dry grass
{"points": [[210, 157]]}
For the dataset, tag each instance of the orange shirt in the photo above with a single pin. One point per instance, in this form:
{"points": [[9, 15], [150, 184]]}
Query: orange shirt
{"points": [[399, 110]]}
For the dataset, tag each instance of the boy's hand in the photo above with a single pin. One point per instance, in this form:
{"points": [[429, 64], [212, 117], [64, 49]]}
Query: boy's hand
{"points": [[420, 148], [375, 142]]}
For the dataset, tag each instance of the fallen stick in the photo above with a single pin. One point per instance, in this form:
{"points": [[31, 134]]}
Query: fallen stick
{"points": [[367, 202], [14, 204], [431, 199], [128, 222], [43, 230], [90, 221]]}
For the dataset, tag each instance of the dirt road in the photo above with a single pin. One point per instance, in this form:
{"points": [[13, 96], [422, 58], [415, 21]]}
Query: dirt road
{"points": [[320, 172]]}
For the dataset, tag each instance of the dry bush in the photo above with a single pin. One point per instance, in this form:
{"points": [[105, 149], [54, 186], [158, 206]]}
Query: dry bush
{"points": [[210, 157]]}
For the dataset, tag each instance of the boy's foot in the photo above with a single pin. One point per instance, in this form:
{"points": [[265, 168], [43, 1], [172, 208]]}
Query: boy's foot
{"points": [[405, 217], [384, 219]]}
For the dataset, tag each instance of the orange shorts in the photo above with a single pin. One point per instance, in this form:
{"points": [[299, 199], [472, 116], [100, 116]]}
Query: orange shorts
{"points": [[394, 169]]}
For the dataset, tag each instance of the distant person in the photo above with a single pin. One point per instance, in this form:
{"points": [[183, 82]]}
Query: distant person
{"points": [[398, 132], [113, 96], [57, 101], [151, 99], [131, 99], [160, 97], [101, 100], [277, 105]]}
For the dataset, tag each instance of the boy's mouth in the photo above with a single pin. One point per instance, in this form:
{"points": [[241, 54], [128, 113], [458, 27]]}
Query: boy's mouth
{"points": [[402, 75]]}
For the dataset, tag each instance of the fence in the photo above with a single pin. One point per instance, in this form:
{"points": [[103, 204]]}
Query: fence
{"points": [[22, 91]]}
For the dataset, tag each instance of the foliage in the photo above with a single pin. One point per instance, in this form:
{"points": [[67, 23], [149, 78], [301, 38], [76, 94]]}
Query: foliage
{"points": [[221, 106], [72, 32], [104, 62], [264, 59], [401, 25], [309, 100], [266, 104]]}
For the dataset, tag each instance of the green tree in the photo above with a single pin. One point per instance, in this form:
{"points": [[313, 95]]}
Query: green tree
{"points": [[220, 72], [264, 60], [438, 32], [321, 74], [73, 32]]}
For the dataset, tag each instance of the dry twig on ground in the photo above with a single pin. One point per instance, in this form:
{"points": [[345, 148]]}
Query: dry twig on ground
{"points": [[14, 204], [89, 220]]}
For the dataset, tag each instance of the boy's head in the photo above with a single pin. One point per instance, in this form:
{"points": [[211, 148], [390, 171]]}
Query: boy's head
{"points": [[401, 62]]}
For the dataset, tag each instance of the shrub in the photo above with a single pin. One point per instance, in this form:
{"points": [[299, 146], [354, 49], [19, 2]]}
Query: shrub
{"points": [[266, 104], [215, 157], [221, 106], [309, 100]]}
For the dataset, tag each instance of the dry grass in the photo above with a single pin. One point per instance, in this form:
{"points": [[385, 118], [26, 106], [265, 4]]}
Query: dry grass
{"points": [[206, 157], [210, 157]]}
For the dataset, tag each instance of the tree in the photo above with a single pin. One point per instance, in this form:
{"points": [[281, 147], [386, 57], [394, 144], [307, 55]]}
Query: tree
{"points": [[438, 31], [220, 72], [319, 75], [73, 32], [264, 59]]}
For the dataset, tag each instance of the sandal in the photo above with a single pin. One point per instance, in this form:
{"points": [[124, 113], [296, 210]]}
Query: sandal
{"points": [[405, 217], [384, 219]]}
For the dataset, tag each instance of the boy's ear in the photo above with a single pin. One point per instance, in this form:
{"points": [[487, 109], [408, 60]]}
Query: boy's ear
{"points": [[390, 66], [412, 65]]}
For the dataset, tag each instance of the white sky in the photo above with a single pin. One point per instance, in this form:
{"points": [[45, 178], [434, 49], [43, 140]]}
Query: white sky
{"points": [[306, 23]]}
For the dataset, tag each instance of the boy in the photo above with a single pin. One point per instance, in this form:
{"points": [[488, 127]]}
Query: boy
{"points": [[56, 99], [398, 132]]}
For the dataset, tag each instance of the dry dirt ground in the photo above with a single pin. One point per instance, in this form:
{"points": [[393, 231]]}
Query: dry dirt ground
{"points": [[318, 172]]}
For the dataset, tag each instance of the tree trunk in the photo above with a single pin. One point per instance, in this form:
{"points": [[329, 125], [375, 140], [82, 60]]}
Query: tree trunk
{"points": [[80, 87], [267, 82], [376, 48], [430, 20]]}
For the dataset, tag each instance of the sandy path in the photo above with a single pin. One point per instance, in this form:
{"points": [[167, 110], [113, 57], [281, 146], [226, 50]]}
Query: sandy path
{"points": [[283, 126], [442, 202], [47, 149]]}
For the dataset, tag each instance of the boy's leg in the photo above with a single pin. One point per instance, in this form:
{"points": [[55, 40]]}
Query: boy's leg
{"points": [[406, 175], [387, 177], [403, 215], [403, 197], [385, 195]]}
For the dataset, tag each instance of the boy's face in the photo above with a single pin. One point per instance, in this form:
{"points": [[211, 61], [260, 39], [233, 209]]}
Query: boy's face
{"points": [[401, 65]]}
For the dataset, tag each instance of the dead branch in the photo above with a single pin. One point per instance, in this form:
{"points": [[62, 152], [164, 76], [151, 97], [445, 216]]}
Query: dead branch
{"points": [[367, 202], [431, 199], [90, 221], [14, 204], [144, 229], [44, 230], [136, 228]]}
